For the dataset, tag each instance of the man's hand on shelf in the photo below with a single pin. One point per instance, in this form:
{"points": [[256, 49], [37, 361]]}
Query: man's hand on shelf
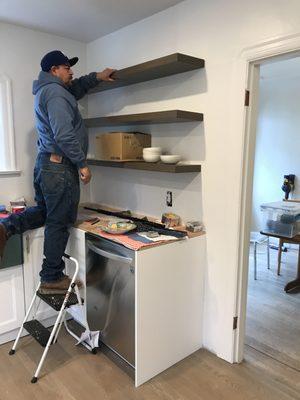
{"points": [[106, 75]]}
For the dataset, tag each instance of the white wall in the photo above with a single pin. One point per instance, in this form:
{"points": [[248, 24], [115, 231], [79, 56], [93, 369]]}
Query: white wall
{"points": [[278, 138], [21, 51], [143, 191], [216, 31]]}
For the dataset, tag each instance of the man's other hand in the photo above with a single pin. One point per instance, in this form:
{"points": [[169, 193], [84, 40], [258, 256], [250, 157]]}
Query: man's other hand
{"points": [[105, 75], [85, 175]]}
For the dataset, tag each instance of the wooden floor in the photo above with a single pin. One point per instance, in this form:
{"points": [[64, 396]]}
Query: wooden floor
{"points": [[72, 373], [273, 317]]}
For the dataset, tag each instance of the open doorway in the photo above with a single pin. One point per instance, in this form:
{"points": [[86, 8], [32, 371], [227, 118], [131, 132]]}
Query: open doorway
{"points": [[272, 317]]}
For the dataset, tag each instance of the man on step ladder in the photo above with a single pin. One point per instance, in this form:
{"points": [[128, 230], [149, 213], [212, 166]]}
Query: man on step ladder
{"points": [[61, 160]]}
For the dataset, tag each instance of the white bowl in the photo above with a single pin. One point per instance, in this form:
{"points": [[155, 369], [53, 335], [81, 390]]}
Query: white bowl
{"points": [[170, 159], [151, 157], [152, 150]]}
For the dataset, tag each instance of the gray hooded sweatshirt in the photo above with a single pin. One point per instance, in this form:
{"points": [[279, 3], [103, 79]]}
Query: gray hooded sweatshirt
{"points": [[59, 124]]}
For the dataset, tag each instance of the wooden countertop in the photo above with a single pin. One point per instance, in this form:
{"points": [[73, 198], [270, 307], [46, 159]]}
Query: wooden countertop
{"points": [[84, 215]]}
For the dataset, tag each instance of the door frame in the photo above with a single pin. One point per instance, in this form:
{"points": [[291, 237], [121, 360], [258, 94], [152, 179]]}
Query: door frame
{"points": [[250, 60]]}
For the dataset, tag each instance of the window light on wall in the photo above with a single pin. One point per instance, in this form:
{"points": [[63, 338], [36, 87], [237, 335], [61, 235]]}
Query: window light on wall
{"points": [[7, 145]]}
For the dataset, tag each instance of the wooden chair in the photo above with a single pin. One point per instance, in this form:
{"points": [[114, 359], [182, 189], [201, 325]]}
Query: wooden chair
{"points": [[295, 240]]}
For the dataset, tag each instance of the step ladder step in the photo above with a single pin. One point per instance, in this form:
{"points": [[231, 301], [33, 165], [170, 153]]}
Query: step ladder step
{"points": [[56, 300], [37, 331]]}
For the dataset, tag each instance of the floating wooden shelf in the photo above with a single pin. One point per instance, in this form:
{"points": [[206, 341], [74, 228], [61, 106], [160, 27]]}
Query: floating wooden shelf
{"points": [[159, 117], [144, 166], [147, 71]]}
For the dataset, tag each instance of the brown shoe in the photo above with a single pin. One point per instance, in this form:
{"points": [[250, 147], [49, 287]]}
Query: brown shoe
{"points": [[3, 240], [58, 287]]}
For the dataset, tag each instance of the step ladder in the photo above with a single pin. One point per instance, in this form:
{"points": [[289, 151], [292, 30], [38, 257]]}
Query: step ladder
{"points": [[60, 303]]}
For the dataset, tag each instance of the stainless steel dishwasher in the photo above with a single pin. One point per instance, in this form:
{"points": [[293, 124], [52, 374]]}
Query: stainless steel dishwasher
{"points": [[110, 295]]}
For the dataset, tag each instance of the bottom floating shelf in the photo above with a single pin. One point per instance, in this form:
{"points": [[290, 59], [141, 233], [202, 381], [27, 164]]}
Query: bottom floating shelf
{"points": [[144, 166]]}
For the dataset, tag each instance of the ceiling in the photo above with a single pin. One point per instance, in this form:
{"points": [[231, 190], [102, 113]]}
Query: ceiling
{"points": [[82, 20]]}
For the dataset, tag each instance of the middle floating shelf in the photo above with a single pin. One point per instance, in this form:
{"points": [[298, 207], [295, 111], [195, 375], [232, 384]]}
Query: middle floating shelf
{"points": [[159, 117], [144, 166]]}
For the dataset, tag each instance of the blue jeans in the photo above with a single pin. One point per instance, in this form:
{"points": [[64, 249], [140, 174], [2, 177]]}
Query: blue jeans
{"points": [[57, 194]]}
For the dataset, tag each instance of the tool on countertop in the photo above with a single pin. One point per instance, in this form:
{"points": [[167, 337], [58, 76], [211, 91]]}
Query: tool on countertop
{"points": [[194, 226], [152, 234], [60, 303], [94, 221]]}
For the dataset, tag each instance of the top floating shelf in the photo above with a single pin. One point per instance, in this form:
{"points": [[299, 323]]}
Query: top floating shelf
{"points": [[154, 69]]}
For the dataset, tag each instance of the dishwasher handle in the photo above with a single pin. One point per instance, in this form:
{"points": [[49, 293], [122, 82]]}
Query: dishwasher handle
{"points": [[108, 254]]}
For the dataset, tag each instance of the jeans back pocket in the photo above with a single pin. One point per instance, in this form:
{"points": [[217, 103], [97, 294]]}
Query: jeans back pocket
{"points": [[52, 181]]}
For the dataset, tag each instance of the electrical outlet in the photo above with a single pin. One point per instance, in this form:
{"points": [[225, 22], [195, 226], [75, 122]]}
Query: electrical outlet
{"points": [[169, 199]]}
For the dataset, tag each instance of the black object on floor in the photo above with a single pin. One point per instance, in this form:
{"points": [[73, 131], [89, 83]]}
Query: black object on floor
{"points": [[293, 286]]}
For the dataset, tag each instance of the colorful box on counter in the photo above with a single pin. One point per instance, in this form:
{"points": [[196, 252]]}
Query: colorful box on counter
{"points": [[18, 206], [121, 146]]}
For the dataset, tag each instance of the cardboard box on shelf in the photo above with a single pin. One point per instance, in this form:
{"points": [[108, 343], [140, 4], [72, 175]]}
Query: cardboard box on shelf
{"points": [[121, 146]]}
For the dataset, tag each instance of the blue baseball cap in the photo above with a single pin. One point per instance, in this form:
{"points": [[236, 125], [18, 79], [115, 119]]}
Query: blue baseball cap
{"points": [[55, 58]]}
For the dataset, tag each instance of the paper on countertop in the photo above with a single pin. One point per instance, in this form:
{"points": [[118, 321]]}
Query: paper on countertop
{"points": [[90, 337], [159, 238], [87, 215]]}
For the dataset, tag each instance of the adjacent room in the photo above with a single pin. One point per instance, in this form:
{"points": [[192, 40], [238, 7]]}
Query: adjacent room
{"points": [[273, 297]]}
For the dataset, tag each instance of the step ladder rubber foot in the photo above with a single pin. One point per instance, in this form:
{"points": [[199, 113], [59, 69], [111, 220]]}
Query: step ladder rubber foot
{"points": [[34, 379], [12, 352], [94, 350]]}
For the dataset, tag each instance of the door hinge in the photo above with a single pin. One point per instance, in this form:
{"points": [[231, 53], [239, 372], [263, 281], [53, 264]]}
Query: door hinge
{"points": [[27, 240], [247, 98], [235, 320]]}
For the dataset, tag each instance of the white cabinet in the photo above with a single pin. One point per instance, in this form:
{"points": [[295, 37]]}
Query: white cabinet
{"points": [[168, 305], [18, 284], [33, 257], [12, 307], [33, 242], [76, 248]]}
